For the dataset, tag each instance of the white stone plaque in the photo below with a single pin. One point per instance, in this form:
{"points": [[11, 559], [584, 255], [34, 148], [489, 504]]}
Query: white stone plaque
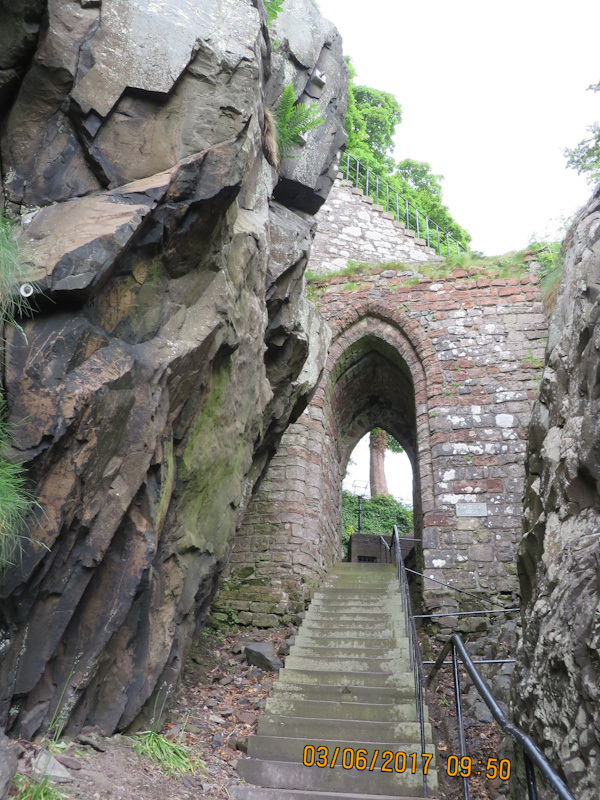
{"points": [[471, 510]]}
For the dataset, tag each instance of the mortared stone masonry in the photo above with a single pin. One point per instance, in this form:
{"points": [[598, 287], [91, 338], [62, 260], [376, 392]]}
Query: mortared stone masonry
{"points": [[450, 368]]}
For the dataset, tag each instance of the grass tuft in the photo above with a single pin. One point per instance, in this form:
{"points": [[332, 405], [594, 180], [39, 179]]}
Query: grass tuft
{"points": [[173, 758], [12, 275], [15, 500], [26, 789]]}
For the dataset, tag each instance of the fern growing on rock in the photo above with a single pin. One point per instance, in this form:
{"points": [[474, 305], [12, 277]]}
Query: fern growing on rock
{"points": [[273, 7], [292, 120]]}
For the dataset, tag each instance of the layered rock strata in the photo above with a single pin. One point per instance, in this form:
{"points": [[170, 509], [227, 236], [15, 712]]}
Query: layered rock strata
{"points": [[172, 344], [557, 687]]}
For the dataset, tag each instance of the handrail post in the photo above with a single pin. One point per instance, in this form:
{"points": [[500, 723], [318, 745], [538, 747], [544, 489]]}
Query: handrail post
{"points": [[428, 222], [530, 775], [459, 718]]}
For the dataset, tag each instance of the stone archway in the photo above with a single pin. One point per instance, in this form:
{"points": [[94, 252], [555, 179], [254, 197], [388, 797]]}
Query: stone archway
{"points": [[449, 368]]}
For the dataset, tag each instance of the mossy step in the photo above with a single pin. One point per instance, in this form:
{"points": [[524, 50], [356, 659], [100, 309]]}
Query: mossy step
{"points": [[338, 605], [286, 775], [343, 710], [290, 749], [354, 730], [352, 586], [333, 677], [308, 639], [346, 624], [353, 650], [390, 665], [354, 694], [376, 622]]}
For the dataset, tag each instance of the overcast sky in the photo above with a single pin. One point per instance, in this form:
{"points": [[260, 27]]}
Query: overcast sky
{"points": [[491, 94]]}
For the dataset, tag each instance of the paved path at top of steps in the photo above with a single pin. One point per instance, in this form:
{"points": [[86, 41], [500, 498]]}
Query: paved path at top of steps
{"points": [[347, 686]]}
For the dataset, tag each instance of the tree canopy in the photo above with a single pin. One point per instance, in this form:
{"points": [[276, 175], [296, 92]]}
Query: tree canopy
{"points": [[371, 122], [585, 157]]}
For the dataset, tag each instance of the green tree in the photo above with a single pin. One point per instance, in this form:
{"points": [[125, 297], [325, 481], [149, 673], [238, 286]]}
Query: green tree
{"points": [[371, 121], [415, 181], [585, 157], [380, 514], [379, 442]]}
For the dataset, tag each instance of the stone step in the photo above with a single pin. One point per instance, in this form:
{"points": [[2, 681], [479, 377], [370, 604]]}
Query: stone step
{"points": [[285, 775], [333, 677], [260, 793], [347, 612], [327, 628], [354, 730], [348, 675], [341, 710], [349, 608], [354, 694], [375, 603], [321, 663], [284, 749], [326, 625], [353, 588], [335, 650], [307, 637]]}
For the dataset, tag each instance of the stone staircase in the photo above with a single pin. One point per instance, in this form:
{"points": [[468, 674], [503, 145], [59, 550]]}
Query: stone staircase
{"points": [[347, 684]]}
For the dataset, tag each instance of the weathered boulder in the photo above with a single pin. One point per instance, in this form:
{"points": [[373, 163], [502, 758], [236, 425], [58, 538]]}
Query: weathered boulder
{"points": [[262, 654], [556, 691], [8, 765], [170, 352]]}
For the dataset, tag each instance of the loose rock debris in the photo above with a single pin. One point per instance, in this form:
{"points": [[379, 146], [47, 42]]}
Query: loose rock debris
{"points": [[216, 709]]}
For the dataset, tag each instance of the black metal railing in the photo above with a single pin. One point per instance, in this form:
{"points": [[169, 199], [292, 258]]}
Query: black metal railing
{"points": [[532, 755], [414, 651], [403, 210]]}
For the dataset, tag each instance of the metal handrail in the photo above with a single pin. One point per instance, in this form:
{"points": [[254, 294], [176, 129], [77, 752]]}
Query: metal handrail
{"points": [[532, 754], [372, 184], [414, 651]]}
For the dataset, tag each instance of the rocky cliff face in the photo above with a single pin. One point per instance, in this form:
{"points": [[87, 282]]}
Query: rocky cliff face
{"points": [[172, 345], [557, 692]]}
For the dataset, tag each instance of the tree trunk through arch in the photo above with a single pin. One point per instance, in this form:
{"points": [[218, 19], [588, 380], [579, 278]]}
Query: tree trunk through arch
{"points": [[378, 445]]}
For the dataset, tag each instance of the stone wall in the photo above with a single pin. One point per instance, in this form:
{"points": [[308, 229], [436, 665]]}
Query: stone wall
{"points": [[556, 693], [450, 368], [352, 227]]}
